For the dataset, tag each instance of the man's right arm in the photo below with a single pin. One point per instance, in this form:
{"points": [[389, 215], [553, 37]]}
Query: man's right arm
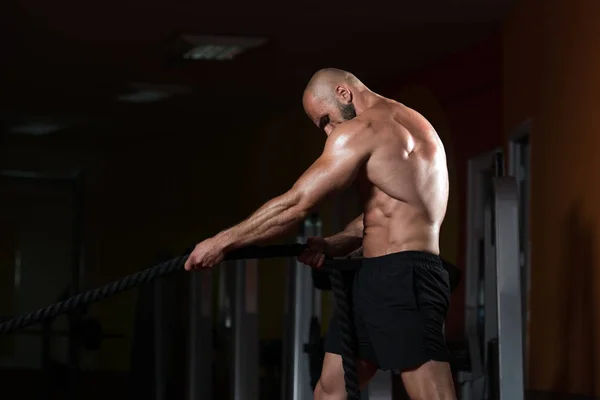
{"points": [[347, 241]]}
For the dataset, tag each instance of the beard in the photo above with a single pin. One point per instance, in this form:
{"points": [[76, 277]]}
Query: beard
{"points": [[348, 111]]}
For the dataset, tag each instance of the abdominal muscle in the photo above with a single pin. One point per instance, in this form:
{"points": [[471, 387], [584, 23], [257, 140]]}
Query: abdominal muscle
{"points": [[403, 229]]}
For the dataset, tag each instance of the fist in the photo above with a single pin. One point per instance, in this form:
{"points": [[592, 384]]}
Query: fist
{"points": [[206, 254], [314, 254]]}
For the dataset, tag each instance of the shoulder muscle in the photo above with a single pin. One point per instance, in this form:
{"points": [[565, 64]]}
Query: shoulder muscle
{"points": [[350, 138]]}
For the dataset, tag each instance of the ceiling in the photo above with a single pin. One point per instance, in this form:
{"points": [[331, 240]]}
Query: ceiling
{"points": [[70, 60]]}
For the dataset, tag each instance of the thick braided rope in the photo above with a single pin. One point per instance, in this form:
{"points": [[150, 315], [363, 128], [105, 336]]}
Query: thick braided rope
{"points": [[348, 345], [133, 280], [91, 296]]}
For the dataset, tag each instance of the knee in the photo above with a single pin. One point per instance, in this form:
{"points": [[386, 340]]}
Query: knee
{"points": [[329, 387], [318, 393], [326, 392]]}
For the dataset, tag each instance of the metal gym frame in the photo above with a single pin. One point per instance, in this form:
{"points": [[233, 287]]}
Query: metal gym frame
{"points": [[303, 301], [519, 167], [75, 183], [237, 321], [200, 340], [493, 320]]}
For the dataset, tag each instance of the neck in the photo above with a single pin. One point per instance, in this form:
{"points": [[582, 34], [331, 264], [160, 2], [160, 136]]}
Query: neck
{"points": [[365, 100]]}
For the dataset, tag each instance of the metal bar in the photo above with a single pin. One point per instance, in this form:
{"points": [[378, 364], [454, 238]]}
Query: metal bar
{"points": [[490, 300], [317, 298], [288, 329], [299, 362], [245, 330], [299, 305], [200, 336], [302, 310], [251, 340], [305, 302], [510, 330], [238, 388], [490, 282], [519, 168]]}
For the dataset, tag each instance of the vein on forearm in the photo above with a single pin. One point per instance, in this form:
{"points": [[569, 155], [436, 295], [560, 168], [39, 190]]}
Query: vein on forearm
{"points": [[348, 240], [274, 218]]}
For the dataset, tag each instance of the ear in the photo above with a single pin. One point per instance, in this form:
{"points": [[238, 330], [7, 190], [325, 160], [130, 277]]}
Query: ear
{"points": [[343, 93]]}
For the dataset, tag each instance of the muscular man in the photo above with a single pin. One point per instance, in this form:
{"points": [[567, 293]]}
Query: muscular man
{"points": [[400, 292]]}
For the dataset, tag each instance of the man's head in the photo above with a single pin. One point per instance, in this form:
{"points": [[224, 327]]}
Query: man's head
{"points": [[330, 98]]}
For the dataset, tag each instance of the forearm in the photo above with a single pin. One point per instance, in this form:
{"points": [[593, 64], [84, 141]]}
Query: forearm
{"points": [[274, 218], [356, 253], [348, 240]]}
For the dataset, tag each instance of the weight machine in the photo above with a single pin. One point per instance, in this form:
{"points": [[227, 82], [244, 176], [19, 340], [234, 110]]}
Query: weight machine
{"points": [[493, 306]]}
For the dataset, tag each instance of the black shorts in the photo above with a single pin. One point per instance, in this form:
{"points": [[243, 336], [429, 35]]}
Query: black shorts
{"points": [[400, 303]]}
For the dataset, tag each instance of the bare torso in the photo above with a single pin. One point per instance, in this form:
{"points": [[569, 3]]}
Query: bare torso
{"points": [[404, 185]]}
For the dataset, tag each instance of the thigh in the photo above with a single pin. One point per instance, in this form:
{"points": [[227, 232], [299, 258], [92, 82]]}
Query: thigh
{"points": [[386, 301], [404, 307], [431, 381], [332, 375]]}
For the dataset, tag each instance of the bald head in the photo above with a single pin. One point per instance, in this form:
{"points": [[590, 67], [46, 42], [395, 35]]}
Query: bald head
{"points": [[329, 97], [323, 83]]}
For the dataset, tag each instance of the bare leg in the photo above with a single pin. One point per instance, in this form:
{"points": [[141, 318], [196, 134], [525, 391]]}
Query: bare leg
{"points": [[331, 385], [431, 381]]}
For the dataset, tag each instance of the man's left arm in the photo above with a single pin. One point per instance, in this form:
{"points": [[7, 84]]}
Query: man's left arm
{"points": [[335, 169]]}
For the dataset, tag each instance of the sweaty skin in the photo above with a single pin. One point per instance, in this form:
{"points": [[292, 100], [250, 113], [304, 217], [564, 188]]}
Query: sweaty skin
{"points": [[403, 185], [395, 158]]}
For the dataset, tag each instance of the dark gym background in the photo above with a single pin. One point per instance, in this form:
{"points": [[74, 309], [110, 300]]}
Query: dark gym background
{"points": [[161, 176]]}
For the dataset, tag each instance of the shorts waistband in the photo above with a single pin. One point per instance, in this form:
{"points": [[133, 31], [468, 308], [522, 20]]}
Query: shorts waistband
{"points": [[410, 256]]}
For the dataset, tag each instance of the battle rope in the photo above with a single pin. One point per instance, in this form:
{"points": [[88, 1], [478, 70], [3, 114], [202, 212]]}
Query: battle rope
{"points": [[176, 264], [133, 280], [348, 342]]}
